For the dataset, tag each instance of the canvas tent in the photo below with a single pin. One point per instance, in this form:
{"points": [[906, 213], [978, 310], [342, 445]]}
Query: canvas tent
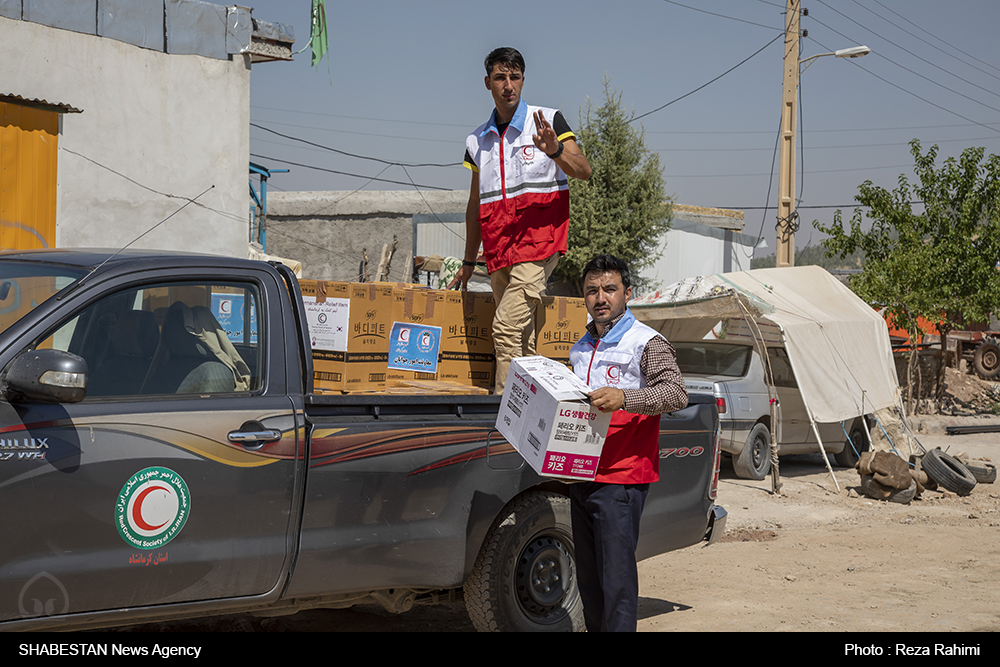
{"points": [[837, 344]]}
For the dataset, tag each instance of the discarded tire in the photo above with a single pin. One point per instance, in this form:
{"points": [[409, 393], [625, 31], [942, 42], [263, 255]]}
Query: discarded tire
{"points": [[984, 471], [873, 489], [948, 472]]}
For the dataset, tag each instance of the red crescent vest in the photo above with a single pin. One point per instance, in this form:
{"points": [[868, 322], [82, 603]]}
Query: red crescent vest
{"points": [[523, 194], [631, 453]]}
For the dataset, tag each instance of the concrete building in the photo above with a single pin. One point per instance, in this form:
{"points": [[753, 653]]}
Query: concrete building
{"points": [[330, 232], [116, 113]]}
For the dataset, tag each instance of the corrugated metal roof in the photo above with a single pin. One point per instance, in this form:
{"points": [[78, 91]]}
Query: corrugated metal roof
{"points": [[39, 104]]}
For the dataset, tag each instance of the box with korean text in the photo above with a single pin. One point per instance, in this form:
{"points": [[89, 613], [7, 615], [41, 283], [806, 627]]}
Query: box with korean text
{"points": [[546, 416]]}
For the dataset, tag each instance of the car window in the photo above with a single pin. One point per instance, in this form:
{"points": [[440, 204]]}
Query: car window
{"points": [[781, 367], [177, 338], [704, 358]]}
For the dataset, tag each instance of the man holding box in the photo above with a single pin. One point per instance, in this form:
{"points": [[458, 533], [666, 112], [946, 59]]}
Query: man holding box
{"points": [[632, 371], [518, 204]]}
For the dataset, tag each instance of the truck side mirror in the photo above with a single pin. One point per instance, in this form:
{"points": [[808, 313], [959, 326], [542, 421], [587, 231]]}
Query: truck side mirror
{"points": [[48, 376]]}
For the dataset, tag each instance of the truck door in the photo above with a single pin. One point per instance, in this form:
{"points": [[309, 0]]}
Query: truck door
{"points": [[173, 480]]}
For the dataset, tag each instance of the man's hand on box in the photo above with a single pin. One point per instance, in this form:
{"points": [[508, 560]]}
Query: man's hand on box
{"points": [[607, 399]]}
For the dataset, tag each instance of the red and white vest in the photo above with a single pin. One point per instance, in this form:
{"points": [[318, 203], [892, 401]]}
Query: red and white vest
{"points": [[631, 452], [523, 194]]}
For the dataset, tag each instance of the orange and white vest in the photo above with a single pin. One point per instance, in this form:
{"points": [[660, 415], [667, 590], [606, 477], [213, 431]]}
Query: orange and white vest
{"points": [[523, 194], [631, 453]]}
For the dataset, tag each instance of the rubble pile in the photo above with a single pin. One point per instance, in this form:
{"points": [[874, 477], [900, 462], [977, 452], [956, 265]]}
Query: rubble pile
{"points": [[966, 394]]}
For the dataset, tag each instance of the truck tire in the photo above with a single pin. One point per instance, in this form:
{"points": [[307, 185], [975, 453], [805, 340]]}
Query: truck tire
{"points": [[847, 457], [524, 578], [754, 460], [948, 472], [986, 360]]}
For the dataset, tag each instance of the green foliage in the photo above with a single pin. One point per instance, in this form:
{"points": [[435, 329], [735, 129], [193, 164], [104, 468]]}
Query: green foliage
{"points": [[621, 210], [941, 263]]}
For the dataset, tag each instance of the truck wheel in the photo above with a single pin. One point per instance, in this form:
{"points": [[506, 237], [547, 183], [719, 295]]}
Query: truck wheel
{"points": [[986, 360], [847, 457], [754, 460], [948, 472], [524, 578]]}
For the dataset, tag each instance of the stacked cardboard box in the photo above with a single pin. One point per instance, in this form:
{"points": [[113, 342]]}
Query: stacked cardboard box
{"points": [[350, 327], [560, 322], [465, 320], [349, 333]]}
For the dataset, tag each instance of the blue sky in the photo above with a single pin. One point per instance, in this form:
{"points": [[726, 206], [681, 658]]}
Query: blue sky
{"points": [[403, 83]]}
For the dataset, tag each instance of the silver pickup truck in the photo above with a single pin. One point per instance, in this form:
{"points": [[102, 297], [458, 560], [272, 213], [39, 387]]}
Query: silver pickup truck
{"points": [[733, 373], [163, 455]]}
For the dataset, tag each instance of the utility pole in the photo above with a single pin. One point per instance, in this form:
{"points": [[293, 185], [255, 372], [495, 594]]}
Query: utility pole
{"points": [[787, 216]]}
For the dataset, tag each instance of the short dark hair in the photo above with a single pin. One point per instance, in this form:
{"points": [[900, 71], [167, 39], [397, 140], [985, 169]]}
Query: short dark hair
{"points": [[505, 55], [603, 263]]}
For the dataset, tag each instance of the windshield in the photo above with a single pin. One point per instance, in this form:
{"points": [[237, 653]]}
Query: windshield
{"points": [[708, 358], [26, 285]]}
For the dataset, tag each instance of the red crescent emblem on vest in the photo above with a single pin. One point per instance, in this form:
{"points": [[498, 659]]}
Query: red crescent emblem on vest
{"points": [[137, 508], [614, 374]]}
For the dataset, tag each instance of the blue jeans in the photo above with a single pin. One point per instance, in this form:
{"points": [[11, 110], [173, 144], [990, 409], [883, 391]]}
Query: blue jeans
{"points": [[605, 533]]}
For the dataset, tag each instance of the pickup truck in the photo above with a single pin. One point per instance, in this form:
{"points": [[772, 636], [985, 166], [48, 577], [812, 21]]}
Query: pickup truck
{"points": [[163, 456]]}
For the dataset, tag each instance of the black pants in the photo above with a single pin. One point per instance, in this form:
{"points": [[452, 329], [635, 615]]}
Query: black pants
{"points": [[605, 533]]}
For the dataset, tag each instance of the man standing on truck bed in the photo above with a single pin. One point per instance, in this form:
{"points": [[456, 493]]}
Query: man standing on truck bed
{"points": [[518, 204], [632, 370]]}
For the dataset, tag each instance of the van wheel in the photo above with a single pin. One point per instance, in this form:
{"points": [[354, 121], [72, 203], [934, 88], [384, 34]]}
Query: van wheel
{"points": [[847, 457], [524, 578], [754, 461]]}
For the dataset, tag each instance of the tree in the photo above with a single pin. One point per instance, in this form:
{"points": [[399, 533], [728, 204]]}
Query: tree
{"points": [[940, 264], [621, 210]]}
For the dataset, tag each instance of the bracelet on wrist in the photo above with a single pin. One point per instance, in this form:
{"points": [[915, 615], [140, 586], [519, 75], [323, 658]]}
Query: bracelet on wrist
{"points": [[466, 262], [555, 156]]}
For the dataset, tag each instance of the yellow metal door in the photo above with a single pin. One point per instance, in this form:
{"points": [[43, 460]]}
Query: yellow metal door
{"points": [[28, 156]]}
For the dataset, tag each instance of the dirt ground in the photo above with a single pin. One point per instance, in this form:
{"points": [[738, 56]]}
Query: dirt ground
{"points": [[810, 559]]}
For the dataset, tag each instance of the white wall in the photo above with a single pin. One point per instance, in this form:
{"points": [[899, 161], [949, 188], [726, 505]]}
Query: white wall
{"points": [[173, 124], [692, 249]]}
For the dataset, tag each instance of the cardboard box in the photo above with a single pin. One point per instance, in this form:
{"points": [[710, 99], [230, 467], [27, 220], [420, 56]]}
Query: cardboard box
{"points": [[465, 321], [467, 354], [349, 333], [546, 416], [560, 322], [419, 307]]}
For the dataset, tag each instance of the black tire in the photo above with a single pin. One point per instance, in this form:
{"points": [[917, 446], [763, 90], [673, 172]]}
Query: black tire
{"points": [[948, 472], [901, 496], [524, 578], [754, 460], [847, 457], [984, 472], [986, 360]]}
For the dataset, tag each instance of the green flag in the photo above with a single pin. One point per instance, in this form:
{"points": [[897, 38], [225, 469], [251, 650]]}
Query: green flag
{"points": [[318, 37]]}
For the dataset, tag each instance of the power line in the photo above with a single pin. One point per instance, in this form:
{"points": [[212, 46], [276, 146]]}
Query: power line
{"points": [[921, 39], [915, 56], [346, 173], [724, 16], [937, 38], [710, 82], [908, 92], [347, 154]]}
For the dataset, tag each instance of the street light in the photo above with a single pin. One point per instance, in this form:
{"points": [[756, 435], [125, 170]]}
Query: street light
{"points": [[787, 216], [853, 52]]}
